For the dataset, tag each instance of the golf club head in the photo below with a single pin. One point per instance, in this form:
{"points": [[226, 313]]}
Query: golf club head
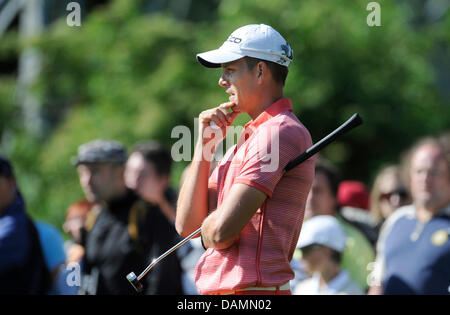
{"points": [[131, 277]]}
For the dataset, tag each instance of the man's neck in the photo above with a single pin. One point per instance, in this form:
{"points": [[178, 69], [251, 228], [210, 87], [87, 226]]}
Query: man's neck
{"points": [[329, 273], [264, 103], [425, 214], [119, 194]]}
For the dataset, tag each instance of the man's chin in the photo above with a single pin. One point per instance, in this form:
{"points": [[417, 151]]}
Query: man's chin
{"points": [[427, 203], [92, 197]]}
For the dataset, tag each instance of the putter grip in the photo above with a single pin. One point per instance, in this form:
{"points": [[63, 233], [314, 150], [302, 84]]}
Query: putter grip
{"points": [[351, 123]]}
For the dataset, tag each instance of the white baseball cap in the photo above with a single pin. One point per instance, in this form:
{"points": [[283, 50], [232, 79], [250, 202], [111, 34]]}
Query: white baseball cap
{"points": [[323, 230], [255, 40]]}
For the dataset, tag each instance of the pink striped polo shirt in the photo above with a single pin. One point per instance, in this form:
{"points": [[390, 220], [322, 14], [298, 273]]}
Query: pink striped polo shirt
{"points": [[261, 255]]}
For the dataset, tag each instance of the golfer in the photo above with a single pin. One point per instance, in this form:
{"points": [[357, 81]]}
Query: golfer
{"points": [[250, 211]]}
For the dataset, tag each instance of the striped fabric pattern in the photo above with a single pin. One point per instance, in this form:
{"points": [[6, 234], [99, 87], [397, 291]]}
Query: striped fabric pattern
{"points": [[261, 256]]}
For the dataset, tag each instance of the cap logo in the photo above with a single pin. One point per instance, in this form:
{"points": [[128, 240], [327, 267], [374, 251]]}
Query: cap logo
{"points": [[235, 40], [287, 51]]}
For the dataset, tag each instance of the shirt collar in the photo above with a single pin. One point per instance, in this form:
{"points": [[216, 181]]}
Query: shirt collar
{"points": [[282, 105]]}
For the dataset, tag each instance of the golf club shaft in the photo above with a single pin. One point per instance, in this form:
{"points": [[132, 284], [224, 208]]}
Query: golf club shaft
{"points": [[351, 123], [157, 260]]}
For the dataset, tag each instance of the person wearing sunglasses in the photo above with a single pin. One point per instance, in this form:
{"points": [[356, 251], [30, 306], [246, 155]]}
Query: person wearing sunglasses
{"points": [[413, 249], [388, 193]]}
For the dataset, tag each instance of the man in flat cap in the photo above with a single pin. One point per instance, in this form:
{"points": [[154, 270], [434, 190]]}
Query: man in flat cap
{"points": [[100, 167], [118, 235]]}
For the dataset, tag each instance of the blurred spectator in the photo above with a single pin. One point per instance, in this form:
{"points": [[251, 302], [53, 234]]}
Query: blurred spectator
{"points": [[76, 216], [388, 193], [322, 200], [322, 241], [192, 251], [119, 234], [148, 173], [352, 193], [444, 140], [413, 251], [22, 265], [110, 251], [353, 200], [52, 244]]}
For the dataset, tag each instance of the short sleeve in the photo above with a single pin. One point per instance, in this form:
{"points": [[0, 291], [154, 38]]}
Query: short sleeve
{"points": [[270, 149]]}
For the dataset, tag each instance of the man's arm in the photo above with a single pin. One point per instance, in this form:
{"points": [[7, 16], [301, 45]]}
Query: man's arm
{"points": [[195, 197], [192, 207], [222, 227]]}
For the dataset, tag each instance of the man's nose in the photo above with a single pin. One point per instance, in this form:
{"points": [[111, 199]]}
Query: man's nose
{"points": [[425, 176], [223, 82]]}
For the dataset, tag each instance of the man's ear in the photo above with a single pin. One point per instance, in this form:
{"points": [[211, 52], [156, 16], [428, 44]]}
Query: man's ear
{"points": [[261, 68]]}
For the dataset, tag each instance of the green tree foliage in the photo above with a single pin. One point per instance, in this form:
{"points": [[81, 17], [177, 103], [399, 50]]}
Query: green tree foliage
{"points": [[342, 66], [132, 76]]}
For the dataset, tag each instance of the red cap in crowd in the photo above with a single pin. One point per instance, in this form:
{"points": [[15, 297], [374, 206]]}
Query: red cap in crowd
{"points": [[353, 194]]}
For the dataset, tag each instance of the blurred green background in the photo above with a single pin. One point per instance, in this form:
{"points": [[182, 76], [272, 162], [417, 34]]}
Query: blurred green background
{"points": [[129, 73]]}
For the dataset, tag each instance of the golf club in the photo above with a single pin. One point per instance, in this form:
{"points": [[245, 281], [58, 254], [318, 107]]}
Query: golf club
{"points": [[351, 123]]}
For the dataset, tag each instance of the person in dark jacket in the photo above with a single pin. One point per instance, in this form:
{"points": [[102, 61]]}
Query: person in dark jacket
{"points": [[147, 172], [22, 265], [118, 236]]}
